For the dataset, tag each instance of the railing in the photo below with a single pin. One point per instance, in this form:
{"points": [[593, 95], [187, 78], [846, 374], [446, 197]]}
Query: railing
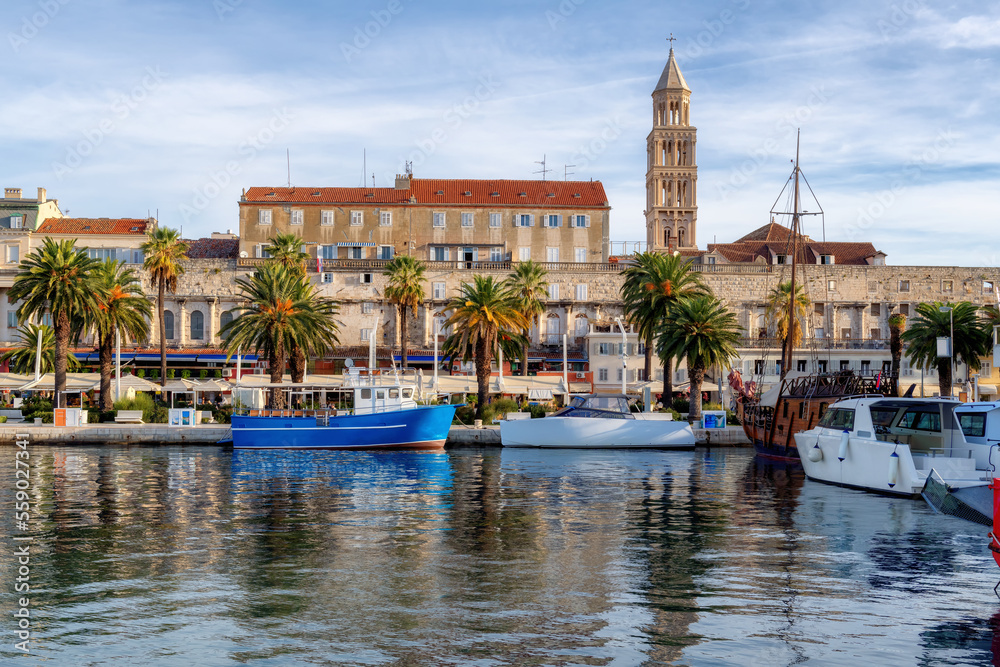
{"points": [[817, 344], [456, 265], [733, 268]]}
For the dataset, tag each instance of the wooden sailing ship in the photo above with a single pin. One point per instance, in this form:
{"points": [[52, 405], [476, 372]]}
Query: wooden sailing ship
{"points": [[797, 403]]}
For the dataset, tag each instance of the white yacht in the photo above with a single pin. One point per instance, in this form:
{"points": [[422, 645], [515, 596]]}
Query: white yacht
{"points": [[598, 421], [892, 446]]}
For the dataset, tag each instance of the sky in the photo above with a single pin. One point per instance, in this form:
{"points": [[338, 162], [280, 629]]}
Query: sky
{"points": [[172, 108]]}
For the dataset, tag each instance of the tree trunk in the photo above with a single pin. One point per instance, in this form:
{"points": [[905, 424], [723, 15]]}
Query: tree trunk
{"points": [[402, 334], [649, 357], [107, 360], [668, 384], [483, 360], [297, 364], [60, 325], [524, 355], [944, 376], [161, 297], [276, 364], [696, 374]]}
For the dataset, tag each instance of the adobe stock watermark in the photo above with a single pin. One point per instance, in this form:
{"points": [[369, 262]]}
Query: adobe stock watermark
{"points": [[223, 7], [452, 119], [897, 17], [565, 9], [911, 172], [121, 108], [31, 25], [741, 174], [363, 35], [219, 179], [589, 152], [713, 29], [22, 542]]}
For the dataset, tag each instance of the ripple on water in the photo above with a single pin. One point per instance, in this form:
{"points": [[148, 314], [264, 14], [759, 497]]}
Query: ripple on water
{"points": [[490, 557]]}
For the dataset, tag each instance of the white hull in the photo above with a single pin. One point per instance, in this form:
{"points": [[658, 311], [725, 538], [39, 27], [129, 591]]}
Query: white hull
{"points": [[596, 433], [867, 464]]}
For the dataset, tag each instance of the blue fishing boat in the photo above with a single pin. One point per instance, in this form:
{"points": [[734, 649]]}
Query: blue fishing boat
{"points": [[385, 415]]}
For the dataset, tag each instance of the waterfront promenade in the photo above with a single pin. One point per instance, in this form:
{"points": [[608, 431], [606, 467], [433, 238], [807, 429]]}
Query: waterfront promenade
{"points": [[210, 434]]}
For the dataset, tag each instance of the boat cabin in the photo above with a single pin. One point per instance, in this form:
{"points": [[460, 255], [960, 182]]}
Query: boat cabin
{"points": [[606, 406], [980, 422], [929, 426]]}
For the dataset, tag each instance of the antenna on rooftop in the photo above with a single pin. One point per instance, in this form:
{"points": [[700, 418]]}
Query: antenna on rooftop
{"points": [[288, 157], [373, 179], [364, 165], [543, 170], [566, 172]]}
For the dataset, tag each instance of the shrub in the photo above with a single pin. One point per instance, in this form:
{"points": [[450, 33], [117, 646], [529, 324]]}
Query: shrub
{"points": [[465, 414], [498, 409], [154, 373], [224, 415], [217, 373], [142, 401], [203, 373], [185, 374], [140, 372], [3, 420], [36, 406], [681, 405], [539, 410], [160, 415]]}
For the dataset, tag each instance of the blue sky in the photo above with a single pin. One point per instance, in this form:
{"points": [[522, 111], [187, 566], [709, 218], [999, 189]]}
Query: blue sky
{"points": [[119, 108]]}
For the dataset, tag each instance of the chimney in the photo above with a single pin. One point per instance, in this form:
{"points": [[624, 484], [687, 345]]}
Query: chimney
{"points": [[12, 193], [41, 195], [402, 181]]}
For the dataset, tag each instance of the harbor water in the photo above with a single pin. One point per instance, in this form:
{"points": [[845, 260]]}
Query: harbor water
{"points": [[203, 555]]}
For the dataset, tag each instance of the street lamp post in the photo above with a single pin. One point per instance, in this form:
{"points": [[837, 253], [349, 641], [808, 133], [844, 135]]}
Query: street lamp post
{"points": [[951, 347]]}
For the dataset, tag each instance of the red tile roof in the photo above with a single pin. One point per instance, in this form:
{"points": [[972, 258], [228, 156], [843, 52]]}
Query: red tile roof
{"points": [[853, 253], [213, 248], [534, 194], [773, 233], [94, 226]]}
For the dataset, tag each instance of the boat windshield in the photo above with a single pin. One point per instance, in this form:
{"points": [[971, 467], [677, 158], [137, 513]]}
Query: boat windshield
{"points": [[606, 407], [973, 425], [841, 419]]}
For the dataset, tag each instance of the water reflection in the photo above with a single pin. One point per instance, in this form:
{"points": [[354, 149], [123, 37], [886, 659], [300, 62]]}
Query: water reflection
{"points": [[203, 555]]}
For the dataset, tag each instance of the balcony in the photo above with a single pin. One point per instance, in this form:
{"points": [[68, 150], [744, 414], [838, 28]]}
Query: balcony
{"points": [[817, 344]]}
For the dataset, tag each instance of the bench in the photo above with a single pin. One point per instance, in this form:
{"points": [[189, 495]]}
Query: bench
{"points": [[13, 416], [129, 417]]}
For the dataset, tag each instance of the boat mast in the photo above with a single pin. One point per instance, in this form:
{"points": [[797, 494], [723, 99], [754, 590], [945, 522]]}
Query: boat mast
{"points": [[787, 347]]}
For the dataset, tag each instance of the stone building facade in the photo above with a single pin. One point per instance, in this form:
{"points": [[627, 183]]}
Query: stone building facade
{"points": [[435, 220]]}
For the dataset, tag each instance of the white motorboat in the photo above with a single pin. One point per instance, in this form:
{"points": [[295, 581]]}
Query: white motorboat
{"points": [[598, 421], [980, 424], [893, 446]]}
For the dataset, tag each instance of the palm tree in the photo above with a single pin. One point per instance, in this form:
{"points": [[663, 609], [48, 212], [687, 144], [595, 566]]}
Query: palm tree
{"points": [[164, 251], [21, 359], [777, 311], [282, 311], [56, 278], [704, 332], [482, 313], [528, 283], [654, 283], [123, 309], [405, 289], [972, 340], [897, 322], [285, 249]]}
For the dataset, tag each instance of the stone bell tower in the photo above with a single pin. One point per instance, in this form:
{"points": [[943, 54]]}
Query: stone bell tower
{"points": [[671, 167]]}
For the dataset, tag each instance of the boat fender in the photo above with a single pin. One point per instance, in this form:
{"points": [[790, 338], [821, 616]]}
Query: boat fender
{"points": [[844, 439], [893, 468], [815, 454]]}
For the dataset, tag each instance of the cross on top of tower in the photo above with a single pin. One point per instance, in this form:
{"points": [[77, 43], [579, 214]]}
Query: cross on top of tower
{"points": [[671, 39]]}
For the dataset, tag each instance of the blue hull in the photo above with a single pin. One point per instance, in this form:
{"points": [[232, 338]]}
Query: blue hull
{"points": [[424, 427]]}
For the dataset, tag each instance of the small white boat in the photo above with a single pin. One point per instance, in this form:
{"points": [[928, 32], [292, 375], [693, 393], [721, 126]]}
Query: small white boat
{"points": [[598, 421], [893, 446]]}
